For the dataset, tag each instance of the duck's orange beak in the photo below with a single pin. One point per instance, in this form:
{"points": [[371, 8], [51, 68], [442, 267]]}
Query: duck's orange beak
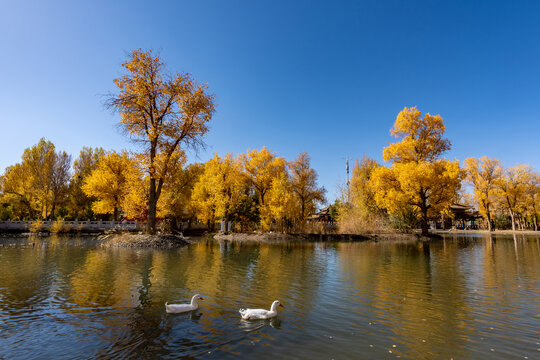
{"points": [[201, 298], [282, 306]]}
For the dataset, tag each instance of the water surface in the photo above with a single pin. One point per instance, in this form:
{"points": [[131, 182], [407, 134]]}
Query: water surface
{"points": [[464, 297]]}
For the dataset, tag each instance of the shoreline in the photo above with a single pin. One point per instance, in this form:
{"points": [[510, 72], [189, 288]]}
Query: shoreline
{"points": [[169, 241], [283, 237]]}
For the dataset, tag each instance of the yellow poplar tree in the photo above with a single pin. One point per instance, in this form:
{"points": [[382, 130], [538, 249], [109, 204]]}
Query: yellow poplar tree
{"points": [[260, 168], [109, 183], [512, 186], [17, 189], [40, 181], [304, 186], [177, 196], [483, 174], [280, 205], [162, 111], [532, 197], [417, 176], [219, 188], [362, 195], [79, 204]]}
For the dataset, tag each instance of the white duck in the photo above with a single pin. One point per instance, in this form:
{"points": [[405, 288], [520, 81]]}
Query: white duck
{"points": [[180, 308], [260, 314]]}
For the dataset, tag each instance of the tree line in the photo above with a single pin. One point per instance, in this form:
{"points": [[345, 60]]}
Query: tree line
{"points": [[253, 190], [420, 184]]}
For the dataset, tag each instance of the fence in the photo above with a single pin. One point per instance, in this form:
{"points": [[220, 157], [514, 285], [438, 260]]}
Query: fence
{"points": [[85, 226]]}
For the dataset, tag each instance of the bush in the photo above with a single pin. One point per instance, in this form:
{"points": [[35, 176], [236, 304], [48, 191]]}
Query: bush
{"points": [[502, 222], [6, 213], [36, 226], [405, 221], [59, 226]]}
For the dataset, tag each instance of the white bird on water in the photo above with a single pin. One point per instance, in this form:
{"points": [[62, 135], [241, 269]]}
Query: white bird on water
{"points": [[180, 308], [260, 314]]}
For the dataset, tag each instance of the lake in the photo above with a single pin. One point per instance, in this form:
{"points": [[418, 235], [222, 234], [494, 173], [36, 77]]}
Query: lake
{"points": [[463, 297]]}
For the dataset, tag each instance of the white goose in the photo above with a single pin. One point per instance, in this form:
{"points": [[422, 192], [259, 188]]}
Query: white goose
{"points": [[260, 314], [180, 308]]}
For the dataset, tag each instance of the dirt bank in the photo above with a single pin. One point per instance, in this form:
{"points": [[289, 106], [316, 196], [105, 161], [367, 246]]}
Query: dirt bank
{"points": [[143, 241], [271, 237]]}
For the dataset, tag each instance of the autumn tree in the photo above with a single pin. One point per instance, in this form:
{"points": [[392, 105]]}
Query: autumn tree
{"points": [[304, 185], [40, 181], [109, 182], [80, 205], [61, 173], [164, 112], [532, 197], [418, 176], [484, 174], [358, 212], [512, 190], [177, 195], [17, 190], [219, 189], [260, 168], [362, 195], [281, 206]]}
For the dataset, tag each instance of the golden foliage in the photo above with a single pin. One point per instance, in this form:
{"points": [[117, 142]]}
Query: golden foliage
{"points": [[40, 181], [162, 111], [421, 138], [280, 205], [110, 182], [417, 177], [303, 185], [219, 188], [260, 169], [59, 226], [483, 174], [512, 187]]}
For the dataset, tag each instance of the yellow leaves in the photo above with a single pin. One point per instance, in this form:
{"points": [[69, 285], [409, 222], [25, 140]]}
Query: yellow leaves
{"points": [[361, 194], [280, 202], [421, 138], [260, 168], [304, 186], [165, 112], [483, 174], [417, 176], [219, 188], [110, 182], [433, 185]]}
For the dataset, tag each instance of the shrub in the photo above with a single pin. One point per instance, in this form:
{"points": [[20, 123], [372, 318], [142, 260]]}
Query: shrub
{"points": [[59, 226], [36, 226]]}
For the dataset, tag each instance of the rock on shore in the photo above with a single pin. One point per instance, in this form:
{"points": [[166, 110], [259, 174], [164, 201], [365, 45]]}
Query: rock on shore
{"points": [[143, 241]]}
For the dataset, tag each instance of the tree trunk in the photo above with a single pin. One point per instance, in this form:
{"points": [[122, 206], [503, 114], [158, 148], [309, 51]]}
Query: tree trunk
{"points": [[513, 222], [535, 222], [53, 209], [489, 221], [424, 210], [425, 225], [442, 221], [152, 202]]}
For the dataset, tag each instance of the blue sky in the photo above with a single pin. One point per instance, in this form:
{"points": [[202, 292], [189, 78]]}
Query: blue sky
{"points": [[326, 77]]}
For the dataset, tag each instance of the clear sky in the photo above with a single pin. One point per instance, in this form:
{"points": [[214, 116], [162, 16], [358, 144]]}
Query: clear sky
{"points": [[326, 77]]}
